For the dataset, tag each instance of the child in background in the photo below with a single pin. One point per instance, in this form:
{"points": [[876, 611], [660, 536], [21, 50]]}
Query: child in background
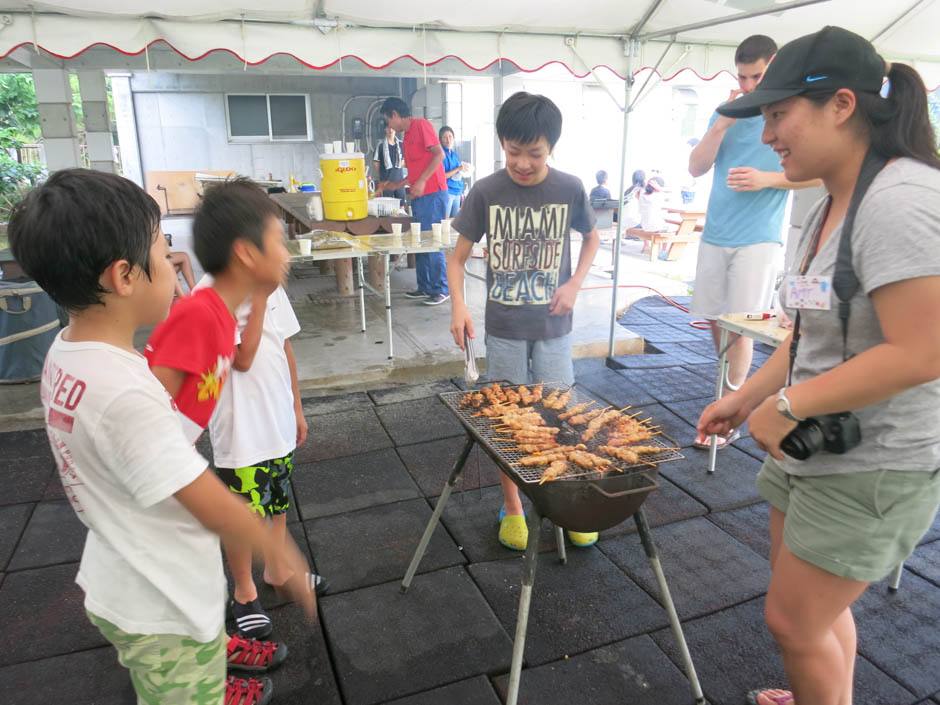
{"points": [[652, 202], [256, 427], [526, 212], [151, 567]]}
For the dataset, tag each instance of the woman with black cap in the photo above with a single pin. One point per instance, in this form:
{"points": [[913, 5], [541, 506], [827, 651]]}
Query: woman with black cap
{"points": [[848, 408]]}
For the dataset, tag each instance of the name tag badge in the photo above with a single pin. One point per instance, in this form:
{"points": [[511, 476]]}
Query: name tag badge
{"points": [[808, 292]]}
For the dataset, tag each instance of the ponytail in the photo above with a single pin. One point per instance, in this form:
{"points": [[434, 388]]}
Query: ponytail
{"points": [[899, 126]]}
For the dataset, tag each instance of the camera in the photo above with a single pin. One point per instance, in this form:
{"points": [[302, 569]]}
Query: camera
{"points": [[833, 433]]}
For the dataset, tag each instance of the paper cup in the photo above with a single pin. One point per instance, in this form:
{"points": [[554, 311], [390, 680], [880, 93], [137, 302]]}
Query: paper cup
{"points": [[328, 148], [337, 146], [350, 146], [304, 244], [436, 230], [396, 229], [445, 238], [445, 227], [416, 229]]}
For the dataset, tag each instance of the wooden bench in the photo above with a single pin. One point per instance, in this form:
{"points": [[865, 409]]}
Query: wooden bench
{"points": [[688, 230]]}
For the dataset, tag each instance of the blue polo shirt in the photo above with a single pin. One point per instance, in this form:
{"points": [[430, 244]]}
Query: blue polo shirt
{"points": [[451, 162], [740, 218]]}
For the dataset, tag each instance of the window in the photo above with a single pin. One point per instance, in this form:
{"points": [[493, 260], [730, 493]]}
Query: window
{"points": [[260, 117]]}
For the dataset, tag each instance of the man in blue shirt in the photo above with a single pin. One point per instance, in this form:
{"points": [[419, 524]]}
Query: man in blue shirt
{"points": [[453, 170], [743, 229]]}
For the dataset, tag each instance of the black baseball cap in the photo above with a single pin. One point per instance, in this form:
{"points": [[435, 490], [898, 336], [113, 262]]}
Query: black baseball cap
{"points": [[829, 59]]}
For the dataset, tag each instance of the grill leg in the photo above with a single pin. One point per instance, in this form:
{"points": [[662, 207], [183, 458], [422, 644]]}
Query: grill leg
{"points": [[560, 540], [650, 549], [436, 516], [525, 599]]}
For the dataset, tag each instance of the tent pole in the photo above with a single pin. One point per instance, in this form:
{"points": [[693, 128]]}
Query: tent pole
{"points": [[730, 18], [631, 48]]}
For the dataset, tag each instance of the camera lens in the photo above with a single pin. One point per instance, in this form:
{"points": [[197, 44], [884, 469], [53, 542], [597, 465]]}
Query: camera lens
{"points": [[804, 440]]}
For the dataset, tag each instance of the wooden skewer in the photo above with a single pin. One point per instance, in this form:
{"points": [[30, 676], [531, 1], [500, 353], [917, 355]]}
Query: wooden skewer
{"points": [[647, 419], [633, 416], [628, 406]]}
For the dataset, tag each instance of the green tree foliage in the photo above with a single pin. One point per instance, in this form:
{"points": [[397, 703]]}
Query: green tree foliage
{"points": [[19, 125]]}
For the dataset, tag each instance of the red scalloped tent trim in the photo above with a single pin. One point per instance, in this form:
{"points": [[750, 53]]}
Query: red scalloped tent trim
{"points": [[352, 56], [371, 66]]}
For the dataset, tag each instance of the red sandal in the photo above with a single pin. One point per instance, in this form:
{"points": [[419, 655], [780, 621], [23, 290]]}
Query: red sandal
{"points": [[248, 691], [252, 655], [785, 699]]}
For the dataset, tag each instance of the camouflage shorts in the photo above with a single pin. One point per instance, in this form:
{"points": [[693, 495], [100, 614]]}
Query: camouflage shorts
{"points": [[266, 485], [169, 669]]}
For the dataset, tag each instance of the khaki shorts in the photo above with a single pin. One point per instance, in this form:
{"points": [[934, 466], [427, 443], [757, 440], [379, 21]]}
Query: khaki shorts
{"points": [[734, 279], [856, 525], [169, 669]]}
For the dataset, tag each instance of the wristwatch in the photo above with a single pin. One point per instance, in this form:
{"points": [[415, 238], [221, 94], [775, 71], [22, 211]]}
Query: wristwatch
{"points": [[783, 406]]}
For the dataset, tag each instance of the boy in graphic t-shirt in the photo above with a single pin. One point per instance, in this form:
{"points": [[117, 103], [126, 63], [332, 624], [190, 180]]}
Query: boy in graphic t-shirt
{"points": [[526, 211], [256, 427], [151, 568]]}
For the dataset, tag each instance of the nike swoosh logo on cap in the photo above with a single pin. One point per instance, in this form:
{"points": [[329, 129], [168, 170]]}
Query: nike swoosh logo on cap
{"points": [[810, 79]]}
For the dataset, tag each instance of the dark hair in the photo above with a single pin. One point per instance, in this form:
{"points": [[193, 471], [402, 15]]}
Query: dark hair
{"points": [[639, 178], [229, 211], [396, 104], [68, 230], [757, 46], [899, 125], [524, 118], [654, 180], [601, 177], [446, 128]]}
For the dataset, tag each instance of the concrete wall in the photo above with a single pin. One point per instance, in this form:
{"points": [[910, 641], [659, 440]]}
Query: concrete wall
{"points": [[181, 121]]}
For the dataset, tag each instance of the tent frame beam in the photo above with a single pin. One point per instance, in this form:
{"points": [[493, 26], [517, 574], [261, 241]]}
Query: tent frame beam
{"points": [[731, 18]]}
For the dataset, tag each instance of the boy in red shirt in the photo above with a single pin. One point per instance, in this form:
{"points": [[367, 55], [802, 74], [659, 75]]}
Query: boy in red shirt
{"points": [[424, 158]]}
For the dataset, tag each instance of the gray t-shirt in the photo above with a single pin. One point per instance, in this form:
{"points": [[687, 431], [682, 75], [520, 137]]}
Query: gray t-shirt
{"points": [[896, 237], [529, 248]]}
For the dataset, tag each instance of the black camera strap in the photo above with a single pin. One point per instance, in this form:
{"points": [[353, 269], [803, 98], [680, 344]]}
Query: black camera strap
{"points": [[844, 282]]}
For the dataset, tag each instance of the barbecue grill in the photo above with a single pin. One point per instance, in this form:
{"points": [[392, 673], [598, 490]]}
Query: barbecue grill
{"points": [[580, 500]]}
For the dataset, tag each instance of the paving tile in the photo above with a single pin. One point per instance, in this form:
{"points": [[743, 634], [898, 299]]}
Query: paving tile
{"points": [[648, 361], [386, 644], [25, 479], [729, 487], [635, 316], [933, 533], [330, 436], [590, 366], [691, 409], [307, 676], [662, 506], [336, 403], [411, 392], [382, 539], [54, 535], [749, 446], [42, 612], [92, 677], [471, 518], [733, 653], [634, 671], [615, 388], [898, 632], [54, 489], [431, 464], [707, 570], [705, 348], [26, 444], [926, 562], [750, 525], [13, 519], [420, 420], [657, 333], [576, 607], [681, 352], [672, 384], [473, 691], [352, 482]]}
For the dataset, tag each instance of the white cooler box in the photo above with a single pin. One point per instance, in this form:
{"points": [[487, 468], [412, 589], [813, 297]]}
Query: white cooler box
{"points": [[29, 323]]}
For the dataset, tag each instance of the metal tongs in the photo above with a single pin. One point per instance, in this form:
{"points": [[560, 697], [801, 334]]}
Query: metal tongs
{"points": [[470, 372]]}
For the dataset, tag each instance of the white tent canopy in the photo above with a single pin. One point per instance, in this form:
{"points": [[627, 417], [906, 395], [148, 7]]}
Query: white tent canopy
{"points": [[526, 33]]}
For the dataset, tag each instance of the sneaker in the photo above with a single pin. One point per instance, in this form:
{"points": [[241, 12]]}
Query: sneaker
{"points": [[251, 620], [416, 294], [248, 691], [436, 299], [253, 655]]}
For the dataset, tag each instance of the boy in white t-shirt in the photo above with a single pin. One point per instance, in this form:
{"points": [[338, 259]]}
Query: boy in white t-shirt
{"points": [[255, 428], [151, 568]]}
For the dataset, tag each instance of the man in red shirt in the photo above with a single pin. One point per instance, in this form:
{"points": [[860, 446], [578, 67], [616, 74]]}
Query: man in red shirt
{"points": [[424, 158]]}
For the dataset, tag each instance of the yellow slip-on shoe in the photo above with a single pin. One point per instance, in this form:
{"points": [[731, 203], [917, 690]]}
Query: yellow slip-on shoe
{"points": [[513, 532], [582, 540]]}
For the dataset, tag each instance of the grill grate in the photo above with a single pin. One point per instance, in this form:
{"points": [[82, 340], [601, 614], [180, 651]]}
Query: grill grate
{"points": [[481, 428]]}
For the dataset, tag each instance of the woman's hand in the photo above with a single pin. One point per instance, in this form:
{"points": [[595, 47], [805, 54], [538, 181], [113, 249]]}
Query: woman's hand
{"points": [[769, 427], [722, 416]]}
